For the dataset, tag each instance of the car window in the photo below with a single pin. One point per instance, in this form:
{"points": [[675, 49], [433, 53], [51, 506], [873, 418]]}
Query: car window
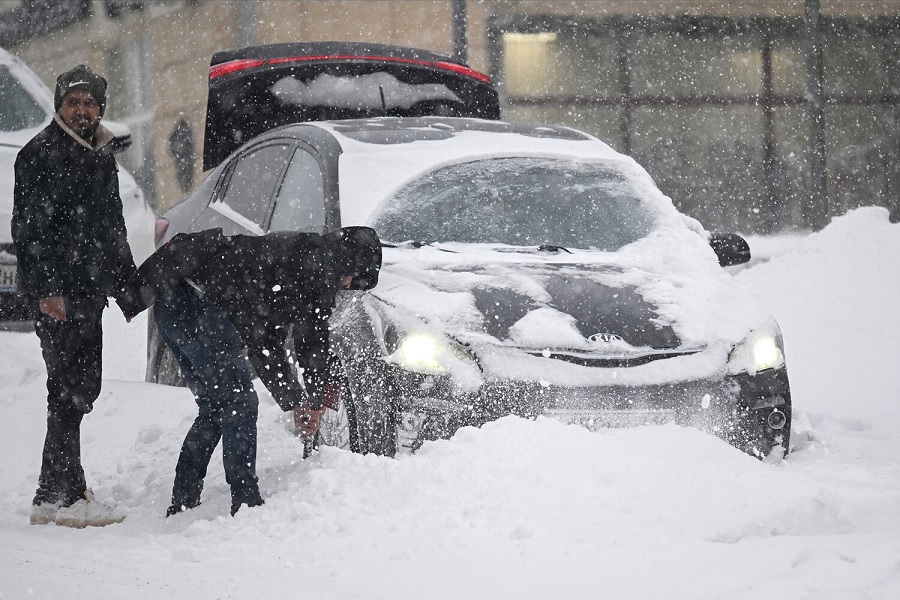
{"points": [[18, 110], [300, 203], [521, 202], [252, 182]]}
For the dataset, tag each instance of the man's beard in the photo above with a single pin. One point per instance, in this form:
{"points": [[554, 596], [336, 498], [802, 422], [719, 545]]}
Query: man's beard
{"points": [[85, 131]]}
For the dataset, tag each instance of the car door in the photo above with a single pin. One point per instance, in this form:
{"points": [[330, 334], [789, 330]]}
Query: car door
{"points": [[244, 195]]}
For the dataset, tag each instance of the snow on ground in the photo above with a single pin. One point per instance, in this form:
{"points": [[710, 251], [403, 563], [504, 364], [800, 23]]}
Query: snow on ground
{"points": [[518, 509]]}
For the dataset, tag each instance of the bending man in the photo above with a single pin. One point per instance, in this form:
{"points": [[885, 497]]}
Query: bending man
{"points": [[215, 295]]}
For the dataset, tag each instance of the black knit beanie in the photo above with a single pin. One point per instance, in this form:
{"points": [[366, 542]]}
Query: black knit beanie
{"points": [[81, 78]]}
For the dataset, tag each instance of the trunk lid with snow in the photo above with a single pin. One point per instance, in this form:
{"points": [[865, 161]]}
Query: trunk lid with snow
{"points": [[255, 89]]}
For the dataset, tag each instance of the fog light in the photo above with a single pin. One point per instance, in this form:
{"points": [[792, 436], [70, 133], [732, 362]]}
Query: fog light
{"points": [[776, 419]]}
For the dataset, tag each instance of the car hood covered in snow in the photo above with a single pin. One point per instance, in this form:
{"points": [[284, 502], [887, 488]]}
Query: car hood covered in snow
{"points": [[515, 307]]}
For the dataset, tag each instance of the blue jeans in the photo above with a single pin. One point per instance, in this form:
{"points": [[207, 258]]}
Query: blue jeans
{"points": [[209, 351]]}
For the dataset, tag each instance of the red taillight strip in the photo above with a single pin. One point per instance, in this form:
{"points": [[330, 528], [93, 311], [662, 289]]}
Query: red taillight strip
{"points": [[463, 70], [234, 65], [240, 65]]}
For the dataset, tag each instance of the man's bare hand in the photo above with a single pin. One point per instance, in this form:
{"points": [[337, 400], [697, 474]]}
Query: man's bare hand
{"points": [[54, 306], [306, 420]]}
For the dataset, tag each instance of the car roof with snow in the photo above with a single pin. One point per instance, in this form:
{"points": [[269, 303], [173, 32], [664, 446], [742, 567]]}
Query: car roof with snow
{"points": [[401, 149]]}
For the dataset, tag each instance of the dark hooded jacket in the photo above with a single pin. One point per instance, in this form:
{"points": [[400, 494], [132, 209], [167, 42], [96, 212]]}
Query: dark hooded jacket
{"points": [[265, 285], [67, 223]]}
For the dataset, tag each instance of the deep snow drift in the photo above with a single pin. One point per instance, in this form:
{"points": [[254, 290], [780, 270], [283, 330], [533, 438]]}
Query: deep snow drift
{"points": [[518, 509]]}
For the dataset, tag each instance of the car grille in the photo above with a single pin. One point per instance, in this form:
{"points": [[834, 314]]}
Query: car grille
{"points": [[619, 362]]}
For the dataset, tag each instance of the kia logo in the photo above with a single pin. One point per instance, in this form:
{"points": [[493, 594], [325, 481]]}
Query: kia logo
{"points": [[606, 338]]}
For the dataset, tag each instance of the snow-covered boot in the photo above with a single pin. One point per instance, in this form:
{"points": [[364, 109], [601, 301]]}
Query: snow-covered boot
{"points": [[250, 503], [43, 513], [88, 513]]}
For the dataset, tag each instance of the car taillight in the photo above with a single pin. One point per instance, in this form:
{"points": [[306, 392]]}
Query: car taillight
{"points": [[159, 230], [232, 66], [463, 70], [239, 65]]}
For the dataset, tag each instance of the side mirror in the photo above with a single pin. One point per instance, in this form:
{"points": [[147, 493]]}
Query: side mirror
{"points": [[731, 248]]}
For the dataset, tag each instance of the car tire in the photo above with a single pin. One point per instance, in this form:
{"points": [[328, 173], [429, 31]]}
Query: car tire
{"points": [[374, 407], [338, 427], [361, 423]]}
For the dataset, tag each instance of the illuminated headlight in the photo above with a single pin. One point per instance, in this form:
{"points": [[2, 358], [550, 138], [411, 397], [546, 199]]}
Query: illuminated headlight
{"points": [[427, 352], [760, 351]]}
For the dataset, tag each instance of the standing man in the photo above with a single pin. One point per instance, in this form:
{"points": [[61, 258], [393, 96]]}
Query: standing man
{"points": [[72, 252], [215, 295]]}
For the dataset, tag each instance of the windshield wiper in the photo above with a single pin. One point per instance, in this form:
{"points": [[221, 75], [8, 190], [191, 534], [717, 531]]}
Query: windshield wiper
{"points": [[415, 244], [552, 248], [406, 244]]}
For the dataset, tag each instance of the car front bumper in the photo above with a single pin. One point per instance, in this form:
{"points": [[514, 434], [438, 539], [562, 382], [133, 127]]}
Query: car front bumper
{"points": [[747, 410]]}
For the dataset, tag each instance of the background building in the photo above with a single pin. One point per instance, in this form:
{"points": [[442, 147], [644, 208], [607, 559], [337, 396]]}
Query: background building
{"points": [[753, 116]]}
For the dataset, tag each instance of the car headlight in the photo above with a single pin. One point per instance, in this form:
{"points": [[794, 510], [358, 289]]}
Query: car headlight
{"points": [[760, 351], [428, 352]]}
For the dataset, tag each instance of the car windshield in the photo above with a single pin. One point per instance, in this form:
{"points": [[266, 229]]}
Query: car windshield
{"points": [[520, 202], [18, 110]]}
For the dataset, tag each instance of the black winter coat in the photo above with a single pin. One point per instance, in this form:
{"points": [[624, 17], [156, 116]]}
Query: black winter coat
{"points": [[67, 225], [265, 284]]}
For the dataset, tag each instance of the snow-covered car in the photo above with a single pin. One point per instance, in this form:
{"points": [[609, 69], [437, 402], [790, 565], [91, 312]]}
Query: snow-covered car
{"points": [[528, 270], [26, 107]]}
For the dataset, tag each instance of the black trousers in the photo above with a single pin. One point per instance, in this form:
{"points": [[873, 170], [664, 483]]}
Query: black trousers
{"points": [[73, 352]]}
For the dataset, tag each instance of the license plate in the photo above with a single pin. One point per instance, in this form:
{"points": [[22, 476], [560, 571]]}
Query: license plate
{"points": [[7, 278], [593, 420]]}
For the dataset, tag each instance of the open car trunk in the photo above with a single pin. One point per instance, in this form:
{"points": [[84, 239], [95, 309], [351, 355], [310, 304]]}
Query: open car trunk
{"points": [[254, 89]]}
